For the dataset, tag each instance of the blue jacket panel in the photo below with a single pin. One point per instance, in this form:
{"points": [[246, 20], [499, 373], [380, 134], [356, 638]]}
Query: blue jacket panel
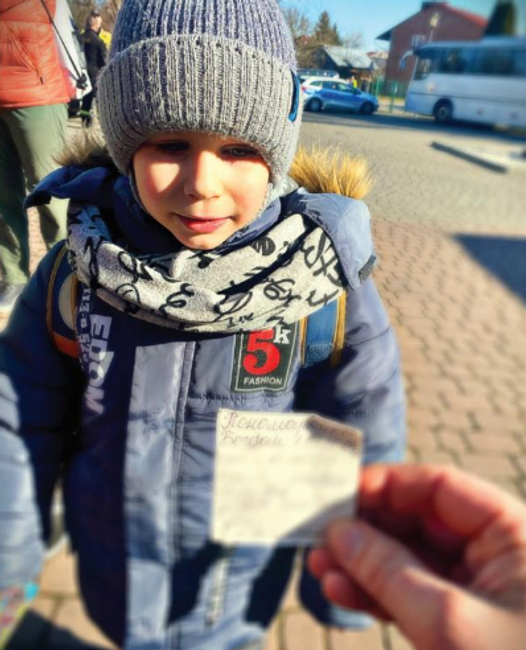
{"points": [[133, 431]]}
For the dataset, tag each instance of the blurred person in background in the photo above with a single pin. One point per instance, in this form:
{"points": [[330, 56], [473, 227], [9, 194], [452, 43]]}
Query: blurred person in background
{"points": [[95, 52], [37, 82], [439, 552], [105, 37]]}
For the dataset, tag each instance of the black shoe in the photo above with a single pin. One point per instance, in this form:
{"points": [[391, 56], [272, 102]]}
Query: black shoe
{"points": [[86, 118], [8, 295]]}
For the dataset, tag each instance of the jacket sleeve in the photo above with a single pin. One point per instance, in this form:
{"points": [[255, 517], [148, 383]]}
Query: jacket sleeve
{"points": [[37, 407], [365, 391], [67, 50]]}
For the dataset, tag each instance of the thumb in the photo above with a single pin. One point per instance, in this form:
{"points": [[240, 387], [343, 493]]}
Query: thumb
{"points": [[390, 574]]}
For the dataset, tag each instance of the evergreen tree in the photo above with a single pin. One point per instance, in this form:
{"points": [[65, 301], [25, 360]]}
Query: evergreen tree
{"points": [[325, 33], [336, 38], [503, 19]]}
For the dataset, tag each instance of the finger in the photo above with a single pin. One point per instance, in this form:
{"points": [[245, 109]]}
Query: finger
{"points": [[385, 569], [342, 591], [399, 524], [339, 589], [320, 561], [440, 536], [429, 491], [505, 534], [503, 579], [431, 612]]}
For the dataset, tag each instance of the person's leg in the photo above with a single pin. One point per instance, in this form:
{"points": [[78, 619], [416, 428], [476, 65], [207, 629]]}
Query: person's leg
{"points": [[39, 133], [14, 248], [85, 112]]}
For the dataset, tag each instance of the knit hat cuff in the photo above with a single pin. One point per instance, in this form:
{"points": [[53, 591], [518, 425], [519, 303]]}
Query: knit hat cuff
{"points": [[199, 83]]}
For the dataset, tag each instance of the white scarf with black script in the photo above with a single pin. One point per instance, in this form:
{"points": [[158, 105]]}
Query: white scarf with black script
{"points": [[289, 272]]}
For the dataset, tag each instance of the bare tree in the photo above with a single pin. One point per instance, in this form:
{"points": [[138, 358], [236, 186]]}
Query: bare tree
{"points": [[301, 28], [109, 11], [80, 10], [107, 8], [298, 22], [354, 40]]}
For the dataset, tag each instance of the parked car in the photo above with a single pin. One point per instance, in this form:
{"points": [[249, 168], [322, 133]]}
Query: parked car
{"points": [[316, 72], [314, 80], [320, 94]]}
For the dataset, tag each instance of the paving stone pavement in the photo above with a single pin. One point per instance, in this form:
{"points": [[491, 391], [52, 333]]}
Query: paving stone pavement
{"points": [[460, 315]]}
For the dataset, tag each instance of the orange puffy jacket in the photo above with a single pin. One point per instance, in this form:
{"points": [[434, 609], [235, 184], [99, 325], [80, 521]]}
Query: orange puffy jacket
{"points": [[30, 70]]}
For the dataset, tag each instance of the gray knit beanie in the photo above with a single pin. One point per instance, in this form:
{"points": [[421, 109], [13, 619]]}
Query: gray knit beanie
{"points": [[221, 66]]}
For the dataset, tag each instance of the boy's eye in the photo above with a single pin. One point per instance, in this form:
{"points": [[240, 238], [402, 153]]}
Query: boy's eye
{"points": [[240, 151], [172, 147]]}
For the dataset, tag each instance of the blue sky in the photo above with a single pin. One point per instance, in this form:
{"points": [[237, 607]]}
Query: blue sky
{"points": [[372, 17]]}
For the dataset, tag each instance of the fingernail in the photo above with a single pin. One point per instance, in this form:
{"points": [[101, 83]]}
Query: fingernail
{"points": [[348, 538]]}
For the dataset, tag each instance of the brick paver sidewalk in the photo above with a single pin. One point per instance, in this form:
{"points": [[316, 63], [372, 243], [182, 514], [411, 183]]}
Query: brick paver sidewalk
{"points": [[461, 331]]}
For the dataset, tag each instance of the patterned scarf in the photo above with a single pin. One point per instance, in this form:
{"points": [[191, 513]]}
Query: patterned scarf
{"points": [[289, 272]]}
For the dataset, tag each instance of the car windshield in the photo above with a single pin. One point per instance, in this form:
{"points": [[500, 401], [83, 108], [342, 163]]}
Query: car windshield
{"points": [[341, 87]]}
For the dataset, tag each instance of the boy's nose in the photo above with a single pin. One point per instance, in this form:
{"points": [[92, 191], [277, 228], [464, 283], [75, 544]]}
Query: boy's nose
{"points": [[203, 177]]}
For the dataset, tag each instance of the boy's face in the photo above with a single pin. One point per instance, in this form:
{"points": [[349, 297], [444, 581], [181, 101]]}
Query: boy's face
{"points": [[201, 187]]}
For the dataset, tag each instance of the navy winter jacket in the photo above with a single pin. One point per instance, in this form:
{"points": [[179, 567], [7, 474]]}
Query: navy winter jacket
{"points": [[132, 433]]}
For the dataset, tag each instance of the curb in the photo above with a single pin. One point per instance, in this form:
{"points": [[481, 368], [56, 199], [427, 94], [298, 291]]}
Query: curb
{"points": [[466, 155]]}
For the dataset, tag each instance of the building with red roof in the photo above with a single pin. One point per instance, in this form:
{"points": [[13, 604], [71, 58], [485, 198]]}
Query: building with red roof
{"points": [[436, 21]]}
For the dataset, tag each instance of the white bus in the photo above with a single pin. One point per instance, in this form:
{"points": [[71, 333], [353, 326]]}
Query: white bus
{"points": [[478, 81]]}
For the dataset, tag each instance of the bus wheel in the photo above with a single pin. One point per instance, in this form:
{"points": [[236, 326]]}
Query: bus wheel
{"points": [[314, 105], [443, 112]]}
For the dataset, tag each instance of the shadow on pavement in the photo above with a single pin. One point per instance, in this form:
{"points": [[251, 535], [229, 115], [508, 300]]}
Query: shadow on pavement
{"points": [[504, 257], [36, 633]]}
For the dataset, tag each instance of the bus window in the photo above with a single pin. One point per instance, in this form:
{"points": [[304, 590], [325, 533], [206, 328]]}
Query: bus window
{"points": [[426, 63], [494, 61], [457, 61], [519, 63]]}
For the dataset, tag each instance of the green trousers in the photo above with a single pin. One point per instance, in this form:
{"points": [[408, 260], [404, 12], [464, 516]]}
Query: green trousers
{"points": [[29, 140]]}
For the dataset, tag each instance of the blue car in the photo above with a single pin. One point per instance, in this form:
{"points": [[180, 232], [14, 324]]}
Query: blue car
{"points": [[321, 94]]}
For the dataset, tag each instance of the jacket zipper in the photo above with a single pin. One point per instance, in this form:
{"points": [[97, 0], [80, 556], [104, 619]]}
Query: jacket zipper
{"points": [[174, 634], [218, 587]]}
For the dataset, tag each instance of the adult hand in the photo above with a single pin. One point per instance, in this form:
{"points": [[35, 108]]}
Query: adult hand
{"points": [[439, 552]]}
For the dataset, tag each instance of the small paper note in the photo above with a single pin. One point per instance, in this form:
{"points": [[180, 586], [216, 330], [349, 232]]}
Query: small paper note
{"points": [[280, 478]]}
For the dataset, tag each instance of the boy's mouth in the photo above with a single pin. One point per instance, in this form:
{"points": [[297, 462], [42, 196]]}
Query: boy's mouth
{"points": [[202, 224]]}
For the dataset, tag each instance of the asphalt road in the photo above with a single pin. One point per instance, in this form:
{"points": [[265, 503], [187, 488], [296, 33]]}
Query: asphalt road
{"points": [[416, 183]]}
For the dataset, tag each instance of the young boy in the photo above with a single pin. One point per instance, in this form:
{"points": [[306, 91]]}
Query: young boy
{"points": [[197, 259]]}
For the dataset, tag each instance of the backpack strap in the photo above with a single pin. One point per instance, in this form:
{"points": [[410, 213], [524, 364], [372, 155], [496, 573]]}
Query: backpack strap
{"points": [[322, 333], [61, 306]]}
